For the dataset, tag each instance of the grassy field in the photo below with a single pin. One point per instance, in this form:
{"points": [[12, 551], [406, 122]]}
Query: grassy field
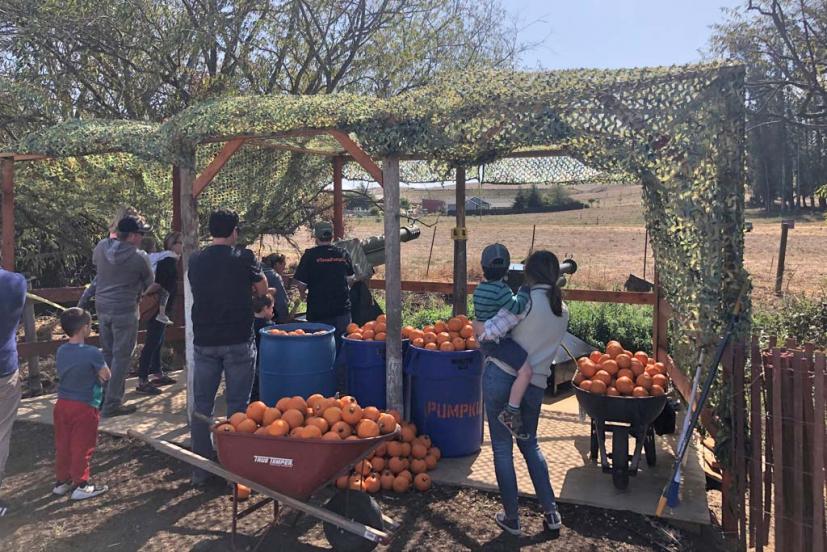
{"points": [[606, 240]]}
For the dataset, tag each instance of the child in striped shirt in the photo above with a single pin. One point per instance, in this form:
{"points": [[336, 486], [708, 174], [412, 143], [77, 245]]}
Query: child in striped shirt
{"points": [[494, 303]]}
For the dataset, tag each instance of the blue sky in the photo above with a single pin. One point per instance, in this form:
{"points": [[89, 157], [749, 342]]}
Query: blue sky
{"points": [[614, 33]]}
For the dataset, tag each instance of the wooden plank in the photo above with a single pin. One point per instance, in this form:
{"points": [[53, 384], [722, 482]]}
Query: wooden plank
{"points": [[756, 503], [819, 450], [460, 289], [729, 497], [61, 296], [359, 155], [739, 363], [193, 459], [176, 199], [189, 237], [585, 295], [7, 212], [660, 321], [393, 291], [769, 463], [338, 200], [797, 473], [45, 348], [778, 449], [215, 165]]}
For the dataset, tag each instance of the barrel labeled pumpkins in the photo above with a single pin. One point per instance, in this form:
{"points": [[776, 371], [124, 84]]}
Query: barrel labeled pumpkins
{"points": [[456, 334], [620, 373]]}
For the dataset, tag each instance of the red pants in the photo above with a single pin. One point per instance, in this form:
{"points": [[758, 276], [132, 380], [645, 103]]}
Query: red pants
{"points": [[76, 433]]}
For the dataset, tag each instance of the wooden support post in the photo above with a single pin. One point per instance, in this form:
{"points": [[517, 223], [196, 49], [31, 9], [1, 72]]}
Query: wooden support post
{"points": [[460, 237], [338, 200], [660, 322], [203, 179], [7, 249], [189, 235], [819, 464], [176, 199], [393, 285], [782, 253], [33, 360]]}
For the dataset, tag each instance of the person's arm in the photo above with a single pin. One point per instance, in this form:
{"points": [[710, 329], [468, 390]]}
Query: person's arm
{"points": [[88, 293], [518, 302], [147, 275], [99, 366], [350, 274], [282, 308], [257, 278], [302, 275]]}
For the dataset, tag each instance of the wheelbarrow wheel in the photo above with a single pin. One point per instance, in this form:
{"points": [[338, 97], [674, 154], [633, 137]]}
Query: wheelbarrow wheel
{"points": [[649, 447], [594, 445], [620, 459], [359, 507]]}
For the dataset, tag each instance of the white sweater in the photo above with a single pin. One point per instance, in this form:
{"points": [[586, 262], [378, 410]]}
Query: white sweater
{"points": [[540, 334]]}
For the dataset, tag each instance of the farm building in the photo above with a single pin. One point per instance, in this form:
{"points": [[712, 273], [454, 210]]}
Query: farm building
{"points": [[433, 205], [476, 204]]}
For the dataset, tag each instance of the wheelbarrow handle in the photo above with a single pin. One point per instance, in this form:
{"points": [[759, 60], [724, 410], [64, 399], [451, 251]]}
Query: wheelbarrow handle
{"points": [[209, 420]]}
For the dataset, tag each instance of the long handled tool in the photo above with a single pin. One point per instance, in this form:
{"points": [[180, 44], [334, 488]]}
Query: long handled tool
{"points": [[672, 499], [670, 491]]}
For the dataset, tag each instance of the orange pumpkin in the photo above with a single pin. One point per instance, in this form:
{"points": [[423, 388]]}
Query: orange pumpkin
{"points": [[379, 463], [430, 461], [367, 428], [332, 414], [270, 416], [610, 366], [256, 410], [588, 369], [226, 427], [422, 482], [342, 428], [467, 331], [386, 480], [352, 414], [598, 387], [418, 465], [623, 360], [372, 483], [331, 436], [657, 390], [247, 426], [640, 392], [321, 423], [446, 346], [586, 385], [401, 484], [594, 356], [408, 433], [396, 464], [472, 343], [371, 413], [279, 428], [612, 391], [293, 417], [644, 380], [603, 376], [625, 385], [434, 451], [394, 448], [237, 418]]}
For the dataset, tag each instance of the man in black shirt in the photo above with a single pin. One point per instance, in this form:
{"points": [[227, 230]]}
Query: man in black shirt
{"points": [[221, 277], [324, 276]]}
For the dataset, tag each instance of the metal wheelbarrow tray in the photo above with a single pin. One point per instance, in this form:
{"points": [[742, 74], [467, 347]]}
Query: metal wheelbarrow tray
{"points": [[289, 471], [623, 417]]}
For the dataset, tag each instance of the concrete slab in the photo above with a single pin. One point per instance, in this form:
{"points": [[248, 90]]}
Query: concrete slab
{"points": [[563, 437], [565, 441]]}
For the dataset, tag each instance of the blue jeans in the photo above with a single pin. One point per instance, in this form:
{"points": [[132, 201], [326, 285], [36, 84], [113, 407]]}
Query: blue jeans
{"points": [[496, 386], [150, 362], [237, 362], [340, 323]]}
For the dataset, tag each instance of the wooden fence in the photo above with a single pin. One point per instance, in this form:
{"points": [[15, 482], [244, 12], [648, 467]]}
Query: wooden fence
{"points": [[774, 488]]}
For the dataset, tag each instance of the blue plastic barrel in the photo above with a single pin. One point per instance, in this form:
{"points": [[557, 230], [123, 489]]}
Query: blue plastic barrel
{"points": [[446, 398], [291, 365], [365, 362]]}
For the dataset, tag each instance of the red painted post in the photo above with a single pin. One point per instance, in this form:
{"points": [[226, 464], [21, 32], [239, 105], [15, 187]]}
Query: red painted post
{"points": [[8, 214], [778, 450], [338, 200], [819, 451], [797, 474]]}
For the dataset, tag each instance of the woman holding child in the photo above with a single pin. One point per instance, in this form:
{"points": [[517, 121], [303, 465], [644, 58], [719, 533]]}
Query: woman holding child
{"points": [[539, 333]]}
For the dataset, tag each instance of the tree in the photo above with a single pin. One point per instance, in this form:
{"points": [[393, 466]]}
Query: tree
{"points": [[783, 44], [149, 59], [534, 201], [519, 201]]}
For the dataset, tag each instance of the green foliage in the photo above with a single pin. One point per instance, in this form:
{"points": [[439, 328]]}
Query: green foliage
{"points": [[598, 323], [534, 201], [799, 317]]}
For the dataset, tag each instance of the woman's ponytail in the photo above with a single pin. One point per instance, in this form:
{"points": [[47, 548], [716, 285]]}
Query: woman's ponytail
{"points": [[542, 267]]}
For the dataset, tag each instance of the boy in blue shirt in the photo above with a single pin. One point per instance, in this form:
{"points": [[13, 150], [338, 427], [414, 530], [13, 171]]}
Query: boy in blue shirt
{"points": [[82, 373], [495, 304]]}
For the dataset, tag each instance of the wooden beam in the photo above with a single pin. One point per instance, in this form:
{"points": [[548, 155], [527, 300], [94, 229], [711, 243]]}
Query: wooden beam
{"points": [[176, 199], [189, 237], [393, 291], [360, 156], [215, 165], [44, 348], [7, 211], [585, 295], [338, 200], [460, 237]]}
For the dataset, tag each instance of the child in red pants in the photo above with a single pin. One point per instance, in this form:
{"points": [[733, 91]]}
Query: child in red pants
{"points": [[81, 370]]}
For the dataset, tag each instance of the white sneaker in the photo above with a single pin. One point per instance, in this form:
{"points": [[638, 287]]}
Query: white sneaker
{"points": [[60, 489], [88, 491], [163, 318]]}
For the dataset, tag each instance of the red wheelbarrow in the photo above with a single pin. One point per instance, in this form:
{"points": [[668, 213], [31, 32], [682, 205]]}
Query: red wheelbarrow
{"points": [[289, 471]]}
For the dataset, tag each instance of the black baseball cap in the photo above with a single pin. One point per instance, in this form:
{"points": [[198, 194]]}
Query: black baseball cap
{"points": [[131, 224], [323, 230], [495, 255]]}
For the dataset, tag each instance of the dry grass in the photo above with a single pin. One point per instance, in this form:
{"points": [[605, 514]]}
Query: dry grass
{"points": [[607, 241]]}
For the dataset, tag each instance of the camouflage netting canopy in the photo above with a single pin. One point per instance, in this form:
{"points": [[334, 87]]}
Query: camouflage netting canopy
{"points": [[678, 130]]}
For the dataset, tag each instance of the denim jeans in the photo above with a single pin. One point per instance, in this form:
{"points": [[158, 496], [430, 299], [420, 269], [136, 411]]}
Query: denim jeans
{"points": [[340, 323], [237, 363], [496, 386], [118, 336], [151, 354]]}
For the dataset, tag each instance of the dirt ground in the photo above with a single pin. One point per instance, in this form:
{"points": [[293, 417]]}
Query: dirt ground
{"points": [[607, 241], [151, 506]]}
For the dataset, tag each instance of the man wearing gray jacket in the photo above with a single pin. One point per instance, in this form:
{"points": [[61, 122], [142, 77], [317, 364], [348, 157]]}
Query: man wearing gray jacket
{"points": [[124, 274]]}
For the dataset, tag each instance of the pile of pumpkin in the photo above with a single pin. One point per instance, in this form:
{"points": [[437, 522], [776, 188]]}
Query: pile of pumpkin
{"points": [[618, 372], [456, 334], [318, 417], [276, 331], [396, 465]]}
